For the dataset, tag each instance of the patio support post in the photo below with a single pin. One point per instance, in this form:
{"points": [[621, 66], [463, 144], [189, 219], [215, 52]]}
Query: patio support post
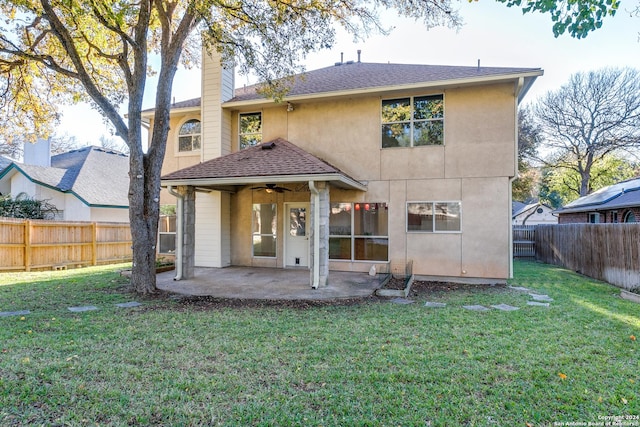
{"points": [[319, 233], [188, 230]]}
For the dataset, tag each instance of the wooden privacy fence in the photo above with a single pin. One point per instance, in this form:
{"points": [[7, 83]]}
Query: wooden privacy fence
{"points": [[609, 252], [37, 244], [524, 241]]}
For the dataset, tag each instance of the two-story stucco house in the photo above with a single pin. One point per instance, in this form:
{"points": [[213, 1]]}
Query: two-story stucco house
{"points": [[361, 164]]}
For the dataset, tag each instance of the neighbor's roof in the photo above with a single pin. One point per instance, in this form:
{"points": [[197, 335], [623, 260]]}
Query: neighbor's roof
{"points": [[360, 76], [617, 196], [276, 161], [97, 176]]}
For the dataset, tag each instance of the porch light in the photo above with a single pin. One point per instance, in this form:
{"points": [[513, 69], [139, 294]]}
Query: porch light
{"points": [[269, 190]]}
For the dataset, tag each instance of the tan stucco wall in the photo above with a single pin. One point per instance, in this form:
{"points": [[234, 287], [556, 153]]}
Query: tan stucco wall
{"points": [[173, 159], [473, 166]]}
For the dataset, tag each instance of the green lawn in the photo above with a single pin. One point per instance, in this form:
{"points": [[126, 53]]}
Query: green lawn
{"points": [[374, 364]]}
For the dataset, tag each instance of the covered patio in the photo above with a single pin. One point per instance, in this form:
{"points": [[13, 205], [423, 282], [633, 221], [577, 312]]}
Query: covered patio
{"points": [[259, 283]]}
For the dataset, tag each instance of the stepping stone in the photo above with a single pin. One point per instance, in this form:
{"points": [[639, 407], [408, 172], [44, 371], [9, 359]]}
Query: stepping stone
{"points": [[505, 307], [83, 308], [538, 304], [520, 288], [402, 301], [475, 307], [129, 304], [435, 304], [14, 313], [537, 297]]}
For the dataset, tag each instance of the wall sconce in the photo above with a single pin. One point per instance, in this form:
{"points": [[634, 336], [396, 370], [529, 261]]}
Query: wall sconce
{"points": [[289, 107]]}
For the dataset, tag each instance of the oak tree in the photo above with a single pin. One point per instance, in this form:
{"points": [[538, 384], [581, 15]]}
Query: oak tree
{"points": [[54, 52], [592, 117]]}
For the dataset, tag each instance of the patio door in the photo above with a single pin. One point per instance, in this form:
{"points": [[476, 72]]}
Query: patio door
{"points": [[296, 229]]}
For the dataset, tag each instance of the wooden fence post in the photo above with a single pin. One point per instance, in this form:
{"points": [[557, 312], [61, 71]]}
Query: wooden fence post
{"points": [[94, 244], [27, 245]]}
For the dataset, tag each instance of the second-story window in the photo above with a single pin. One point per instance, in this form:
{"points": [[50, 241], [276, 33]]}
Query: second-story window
{"points": [[250, 129], [189, 136], [413, 121]]}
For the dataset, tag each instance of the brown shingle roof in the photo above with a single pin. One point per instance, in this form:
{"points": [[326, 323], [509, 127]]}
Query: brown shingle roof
{"points": [[361, 76], [275, 158]]}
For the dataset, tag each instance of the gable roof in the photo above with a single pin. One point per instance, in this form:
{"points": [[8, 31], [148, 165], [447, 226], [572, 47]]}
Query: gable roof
{"points": [[368, 77], [617, 196], [97, 176], [276, 161]]}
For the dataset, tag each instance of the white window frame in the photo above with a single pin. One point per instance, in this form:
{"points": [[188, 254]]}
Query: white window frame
{"points": [[594, 218], [433, 231], [274, 234], [352, 236], [192, 151], [166, 233], [240, 134], [412, 121]]}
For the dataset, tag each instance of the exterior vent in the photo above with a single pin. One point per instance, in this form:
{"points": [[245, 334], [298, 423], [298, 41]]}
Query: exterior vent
{"points": [[268, 145]]}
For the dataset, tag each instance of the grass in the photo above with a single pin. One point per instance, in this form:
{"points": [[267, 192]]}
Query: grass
{"points": [[375, 364]]}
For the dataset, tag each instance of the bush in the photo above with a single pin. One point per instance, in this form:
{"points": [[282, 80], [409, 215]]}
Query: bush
{"points": [[26, 207]]}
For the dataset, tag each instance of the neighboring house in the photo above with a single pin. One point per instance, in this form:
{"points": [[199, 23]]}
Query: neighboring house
{"points": [[87, 184], [616, 203], [533, 214], [4, 162], [360, 165]]}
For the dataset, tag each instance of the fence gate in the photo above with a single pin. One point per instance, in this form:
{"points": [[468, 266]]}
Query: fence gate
{"points": [[524, 241]]}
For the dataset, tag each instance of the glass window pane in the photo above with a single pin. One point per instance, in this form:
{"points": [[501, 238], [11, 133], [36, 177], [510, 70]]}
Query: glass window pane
{"points": [[340, 248], [367, 249], [190, 128], [247, 141], [264, 246], [167, 224], [428, 133], [340, 219], [250, 123], [196, 142], [447, 216], [370, 219], [297, 222], [420, 217], [428, 107], [184, 143], [167, 243], [396, 110], [396, 135], [264, 219]]}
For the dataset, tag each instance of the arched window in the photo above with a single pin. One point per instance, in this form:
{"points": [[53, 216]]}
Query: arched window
{"points": [[189, 136], [630, 217]]}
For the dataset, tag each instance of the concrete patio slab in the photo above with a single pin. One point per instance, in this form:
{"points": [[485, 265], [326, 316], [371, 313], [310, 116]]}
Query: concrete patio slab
{"points": [[268, 284]]}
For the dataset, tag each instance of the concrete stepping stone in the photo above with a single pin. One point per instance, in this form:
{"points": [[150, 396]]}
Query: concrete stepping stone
{"points": [[129, 304], [505, 307], [538, 304], [402, 301], [475, 307], [538, 297], [435, 304], [82, 308], [520, 288], [14, 313]]}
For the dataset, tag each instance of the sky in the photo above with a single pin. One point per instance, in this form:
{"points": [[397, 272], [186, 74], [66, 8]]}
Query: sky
{"points": [[492, 33]]}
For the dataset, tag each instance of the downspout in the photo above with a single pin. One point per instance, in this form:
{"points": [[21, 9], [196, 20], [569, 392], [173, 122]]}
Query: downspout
{"points": [[518, 90], [316, 235], [179, 231]]}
